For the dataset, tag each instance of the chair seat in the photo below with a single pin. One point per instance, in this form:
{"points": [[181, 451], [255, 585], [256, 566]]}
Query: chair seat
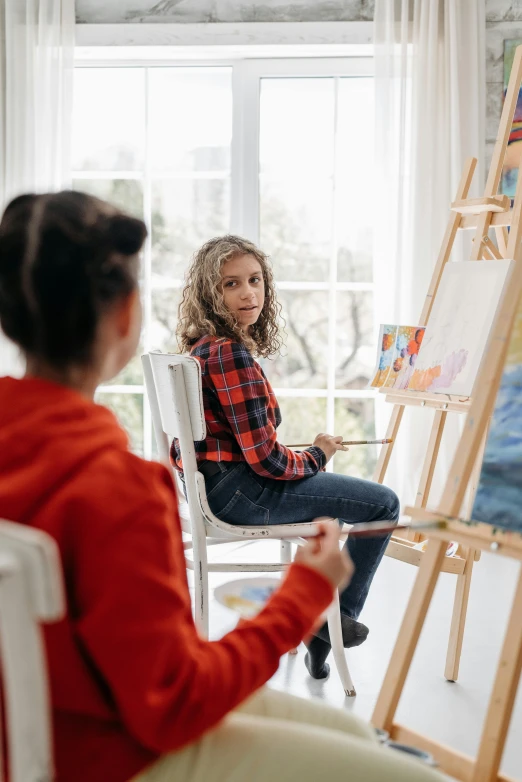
{"points": [[278, 531], [303, 529]]}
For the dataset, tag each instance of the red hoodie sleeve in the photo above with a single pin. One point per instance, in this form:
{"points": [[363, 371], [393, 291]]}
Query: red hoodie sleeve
{"points": [[135, 622]]}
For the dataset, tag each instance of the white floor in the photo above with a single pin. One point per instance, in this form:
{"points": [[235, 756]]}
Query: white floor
{"points": [[450, 713]]}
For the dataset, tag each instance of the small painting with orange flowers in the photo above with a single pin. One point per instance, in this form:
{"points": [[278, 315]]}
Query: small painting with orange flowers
{"points": [[407, 345], [397, 353], [385, 353]]}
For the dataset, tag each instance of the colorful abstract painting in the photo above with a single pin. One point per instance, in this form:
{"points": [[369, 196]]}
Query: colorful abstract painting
{"points": [[514, 150], [499, 495], [407, 346], [459, 327], [387, 335]]}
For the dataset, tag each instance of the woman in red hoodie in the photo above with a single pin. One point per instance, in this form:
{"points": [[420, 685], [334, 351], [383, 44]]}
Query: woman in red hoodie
{"points": [[136, 693]]}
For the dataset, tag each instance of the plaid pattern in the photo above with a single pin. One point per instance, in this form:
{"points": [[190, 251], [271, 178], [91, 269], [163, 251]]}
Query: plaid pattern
{"points": [[242, 415]]}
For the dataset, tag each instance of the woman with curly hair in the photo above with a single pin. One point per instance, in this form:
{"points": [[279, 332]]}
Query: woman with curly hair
{"points": [[229, 313]]}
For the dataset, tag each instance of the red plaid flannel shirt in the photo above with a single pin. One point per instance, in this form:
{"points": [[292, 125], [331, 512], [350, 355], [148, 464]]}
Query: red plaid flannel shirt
{"points": [[242, 415]]}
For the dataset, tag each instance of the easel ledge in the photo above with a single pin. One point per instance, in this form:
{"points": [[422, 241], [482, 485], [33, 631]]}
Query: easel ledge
{"points": [[447, 402], [483, 536]]}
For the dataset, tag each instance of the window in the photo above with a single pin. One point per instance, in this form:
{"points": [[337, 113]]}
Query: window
{"points": [[280, 151]]}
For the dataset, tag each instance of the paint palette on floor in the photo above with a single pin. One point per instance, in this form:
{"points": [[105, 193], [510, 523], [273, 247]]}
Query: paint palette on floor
{"points": [[246, 596]]}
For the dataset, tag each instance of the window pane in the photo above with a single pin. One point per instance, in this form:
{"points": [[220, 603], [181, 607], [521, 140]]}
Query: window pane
{"points": [[185, 214], [303, 419], [296, 126], [128, 408], [108, 119], [126, 194], [164, 318], [296, 167], [355, 180], [304, 360], [132, 374], [355, 347], [296, 227], [355, 238], [190, 118], [354, 420]]}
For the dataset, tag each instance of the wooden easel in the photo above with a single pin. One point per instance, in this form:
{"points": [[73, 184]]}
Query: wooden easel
{"points": [[474, 537], [403, 547], [491, 211]]}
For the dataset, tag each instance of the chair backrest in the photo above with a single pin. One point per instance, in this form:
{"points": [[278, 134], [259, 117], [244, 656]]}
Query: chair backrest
{"points": [[165, 417], [178, 414], [159, 363], [174, 388], [31, 591]]}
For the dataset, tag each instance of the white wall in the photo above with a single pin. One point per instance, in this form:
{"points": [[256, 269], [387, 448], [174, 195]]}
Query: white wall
{"points": [[503, 21], [187, 11]]}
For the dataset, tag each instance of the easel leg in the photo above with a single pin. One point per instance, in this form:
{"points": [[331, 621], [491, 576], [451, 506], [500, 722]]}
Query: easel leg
{"points": [[502, 235], [502, 698], [460, 605], [409, 633], [428, 468], [458, 619], [386, 450]]}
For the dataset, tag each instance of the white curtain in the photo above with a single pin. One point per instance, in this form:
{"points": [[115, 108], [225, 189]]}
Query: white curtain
{"points": [[430, 115], [36, 72]]}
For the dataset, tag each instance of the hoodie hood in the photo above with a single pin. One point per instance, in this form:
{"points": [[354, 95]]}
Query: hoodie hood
{"points": [[47, 433]]}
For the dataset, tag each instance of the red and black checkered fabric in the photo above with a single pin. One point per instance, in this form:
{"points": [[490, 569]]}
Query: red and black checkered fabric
{"points": [[242, 415]]}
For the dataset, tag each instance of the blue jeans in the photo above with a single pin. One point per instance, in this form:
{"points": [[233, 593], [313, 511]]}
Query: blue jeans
{"points": [[239, 496]]}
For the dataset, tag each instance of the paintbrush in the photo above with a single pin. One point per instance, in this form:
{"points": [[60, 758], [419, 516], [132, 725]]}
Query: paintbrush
{"points": [[346, 442], [371, 528]]}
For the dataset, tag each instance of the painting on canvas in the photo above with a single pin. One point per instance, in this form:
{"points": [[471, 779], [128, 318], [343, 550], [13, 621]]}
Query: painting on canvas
{"points": [[387, 334], [499, 495], [459, 326], [513, 156], [407, 346]]}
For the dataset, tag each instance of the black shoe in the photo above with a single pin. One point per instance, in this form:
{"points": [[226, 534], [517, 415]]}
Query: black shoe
{"points": [[354, 633], [319, 647], [318, 651]]}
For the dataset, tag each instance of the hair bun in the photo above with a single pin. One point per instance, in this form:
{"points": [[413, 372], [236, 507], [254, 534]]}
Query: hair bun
{"points": [[126, 234]]}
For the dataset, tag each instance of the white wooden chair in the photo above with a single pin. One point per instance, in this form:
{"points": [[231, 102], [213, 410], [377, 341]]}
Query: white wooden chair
{"points": [[173, 384], [31, 592]]}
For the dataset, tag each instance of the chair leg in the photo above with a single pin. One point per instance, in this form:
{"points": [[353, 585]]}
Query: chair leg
{"points": [[201, 596], [286, 552], [201, 599], [286, 558], [336, 639]]}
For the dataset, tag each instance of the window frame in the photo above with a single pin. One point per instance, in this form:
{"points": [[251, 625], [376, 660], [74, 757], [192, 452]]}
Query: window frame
{"points": [[246, 76]]}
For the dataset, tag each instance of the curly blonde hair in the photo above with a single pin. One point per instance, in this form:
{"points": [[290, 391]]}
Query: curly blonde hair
{"points": [[202, 309]]}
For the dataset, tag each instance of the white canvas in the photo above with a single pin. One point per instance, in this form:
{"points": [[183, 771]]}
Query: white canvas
{"points": [[458, 329]]}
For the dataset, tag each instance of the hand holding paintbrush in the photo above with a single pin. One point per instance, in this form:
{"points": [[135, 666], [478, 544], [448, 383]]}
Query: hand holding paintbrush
{"points": [[344, 442]]}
